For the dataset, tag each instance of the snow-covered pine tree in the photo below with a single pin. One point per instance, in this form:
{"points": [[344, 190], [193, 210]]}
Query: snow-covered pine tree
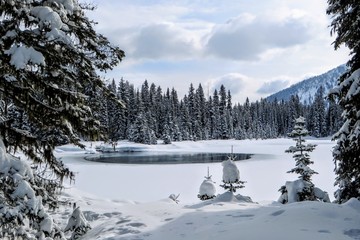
{"points": [[207, 188], [123, 93], [229, 115], [22, 212], [334, 120], [50, 55], [140, 132], [114, 111], [302, 158], [302, 189], [295, 110], [345, 25], [215, 116], [224, 128], [166, 135], [77, 223], [200, 113], [231, 175], [185, 121], [319, 114], [145, 95]]}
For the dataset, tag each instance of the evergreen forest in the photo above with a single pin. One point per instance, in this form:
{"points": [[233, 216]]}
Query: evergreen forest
{"points": [[152, 114]]}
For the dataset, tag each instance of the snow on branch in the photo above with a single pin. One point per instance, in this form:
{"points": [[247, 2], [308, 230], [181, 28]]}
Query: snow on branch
{"points": [[21, 56]]}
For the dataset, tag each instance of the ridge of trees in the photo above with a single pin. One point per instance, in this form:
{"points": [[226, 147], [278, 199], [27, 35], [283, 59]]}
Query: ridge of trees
{"points": [[152, 114]]}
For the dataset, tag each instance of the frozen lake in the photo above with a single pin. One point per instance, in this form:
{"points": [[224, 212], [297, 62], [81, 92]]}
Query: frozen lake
{"points": [[164, 157], [264, 172]]}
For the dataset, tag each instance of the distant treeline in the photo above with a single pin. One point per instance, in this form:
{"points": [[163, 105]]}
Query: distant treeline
{"points": [[151, 114]]}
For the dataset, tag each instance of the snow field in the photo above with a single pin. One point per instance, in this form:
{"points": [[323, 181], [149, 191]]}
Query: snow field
{"points": [[131, 201]]}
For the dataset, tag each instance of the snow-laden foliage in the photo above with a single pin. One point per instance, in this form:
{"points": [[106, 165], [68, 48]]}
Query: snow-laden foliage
{"points": [[50, 59], [231, 175], [293, 191], [166, 135], [346, 152], [22, 213], [207, 188], [300, 151], [302, 189], [345, 26], [140, 132], [50, 55], [78, 224]]}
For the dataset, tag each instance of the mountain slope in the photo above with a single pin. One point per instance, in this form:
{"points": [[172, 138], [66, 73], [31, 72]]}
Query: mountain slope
{"points": [[307, 89]]}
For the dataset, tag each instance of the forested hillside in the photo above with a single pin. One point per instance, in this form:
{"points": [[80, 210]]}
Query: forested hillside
{"points": [[307, 89], [153, 114]]}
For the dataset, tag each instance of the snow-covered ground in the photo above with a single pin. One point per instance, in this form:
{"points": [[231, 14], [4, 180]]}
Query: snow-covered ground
{"points": [[131, 201]]}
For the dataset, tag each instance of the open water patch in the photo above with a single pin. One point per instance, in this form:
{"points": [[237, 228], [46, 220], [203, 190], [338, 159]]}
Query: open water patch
{"points": [[164, 157]]}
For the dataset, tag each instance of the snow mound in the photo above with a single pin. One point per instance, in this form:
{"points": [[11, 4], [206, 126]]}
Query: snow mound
{"points": [[227, 197], [353, 203], [230, 197], [295, 188]]}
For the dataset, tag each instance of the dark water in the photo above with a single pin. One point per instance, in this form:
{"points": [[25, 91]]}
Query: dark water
{"points": [[164, 157]]}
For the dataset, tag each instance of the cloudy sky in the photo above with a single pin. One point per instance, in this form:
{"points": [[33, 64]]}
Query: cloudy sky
{"points": [[254, 48]]}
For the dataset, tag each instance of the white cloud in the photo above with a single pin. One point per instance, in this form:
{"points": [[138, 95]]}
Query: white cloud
{"points": [[175, 43], [162, 41], [273, 86], [247, 37], [234, 82]]}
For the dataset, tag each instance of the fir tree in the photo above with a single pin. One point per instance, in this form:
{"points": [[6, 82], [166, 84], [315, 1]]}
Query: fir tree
{"points": [[319, 114], [140, 132], [231, 175], [207, 188], [50, 56], [166, 135], [23, 214], [215, 116], [345, 25], [114, 115], [300, 151], [302, 189], [124, 96], [78, 224]]}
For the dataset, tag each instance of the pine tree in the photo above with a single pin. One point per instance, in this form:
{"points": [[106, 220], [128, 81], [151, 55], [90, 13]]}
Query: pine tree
{"points": [[23, 214], [229, 115], [319, 114], [50, 56], [145, 94], [231, 175], [207, 188], [166, 135], [114, 116], [215, 116], [224, 128], [200, 113], [78, 224], [333, 118], [302, 189], [300, 151], [124, 96], [345, 25], [140, 132]]}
